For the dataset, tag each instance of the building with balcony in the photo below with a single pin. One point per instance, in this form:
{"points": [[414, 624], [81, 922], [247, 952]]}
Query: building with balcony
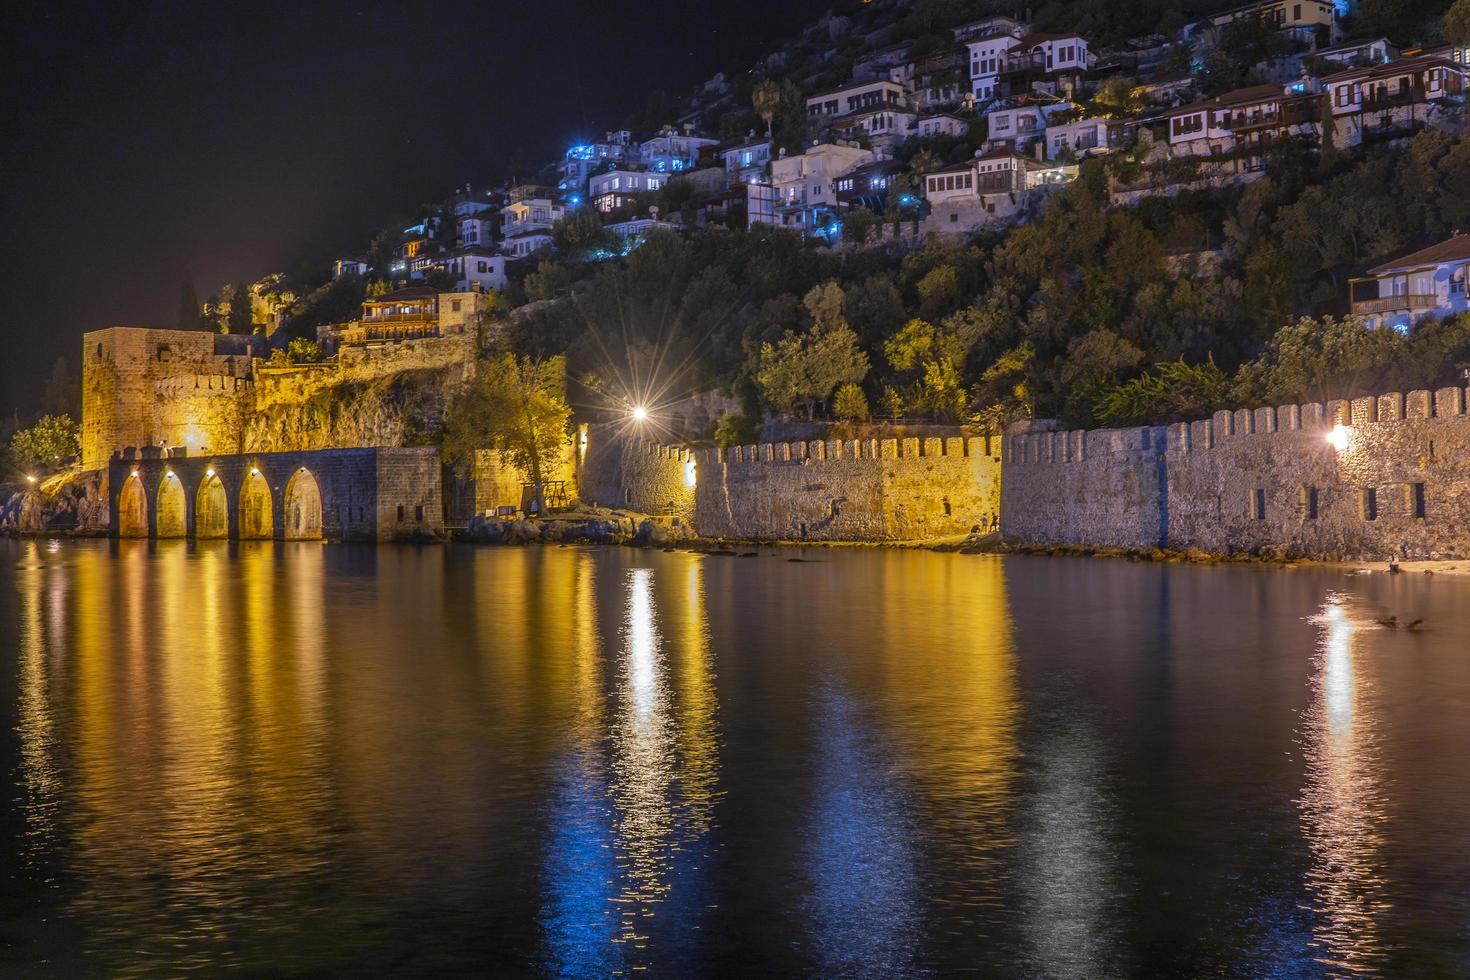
{"points": [[1247, 119], [884, 129], [1018, 125], [867, 186], [673, 151], [1055, 64], [1082, 138], [1395, 99], [410, 313], [580, 161], [990, 187], [477, 229], [522, 244], [613, 189], [989, 27], [942, 124], [1403, 291], [805, 196], [987, 58], [476, 269], [351, 267], [747, 162], [530, 214], [857, 97]]}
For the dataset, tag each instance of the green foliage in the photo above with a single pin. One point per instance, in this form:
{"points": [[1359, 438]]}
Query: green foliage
{"points": [[239, 319], [803, 369], [581, 235], [339, 301], [1457, 22], [1319, 360], [850, 404], [736, 429], [303, 351], [858, 225], [516, 406], [1172, 392], [766, 99], [44, 445]]}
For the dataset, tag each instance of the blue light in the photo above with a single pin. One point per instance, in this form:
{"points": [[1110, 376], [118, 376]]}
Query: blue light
{"points": [[576, 199]]}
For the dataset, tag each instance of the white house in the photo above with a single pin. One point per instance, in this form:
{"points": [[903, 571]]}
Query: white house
{"points": [[476, 229], [884, 129], [1083, 137], [672, 151], [1051, 63], [943, 124], [611, 190], [992, 186], [1260, 115], [1369, 51], [350, 267], [746, 161], [1016, 126], [805, 196], [530, 214], [857, 97], [476, 268], [1429, 282], [520, 244], [987, 60], [581, 160]]}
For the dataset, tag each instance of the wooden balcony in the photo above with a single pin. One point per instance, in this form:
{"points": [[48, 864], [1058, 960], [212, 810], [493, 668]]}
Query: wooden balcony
{"points": [[1387, 304]]}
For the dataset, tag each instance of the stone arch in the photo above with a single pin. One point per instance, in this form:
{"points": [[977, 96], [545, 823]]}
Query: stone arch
{"points": [[132, 509], [256, 515], [171, 515], [303, 507], [211, 509]]}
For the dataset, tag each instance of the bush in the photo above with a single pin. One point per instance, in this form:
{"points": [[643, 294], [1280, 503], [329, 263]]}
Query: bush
{"points": [[850, 404], [45, 445], [736, 429]]}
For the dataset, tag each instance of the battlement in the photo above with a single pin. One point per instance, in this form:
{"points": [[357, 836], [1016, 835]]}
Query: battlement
{"points": [[1186, 438], [833, 450], [204, 385]]}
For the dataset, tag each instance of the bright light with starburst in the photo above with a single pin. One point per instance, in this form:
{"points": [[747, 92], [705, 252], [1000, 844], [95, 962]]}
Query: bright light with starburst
{"points": [[640, 413]]}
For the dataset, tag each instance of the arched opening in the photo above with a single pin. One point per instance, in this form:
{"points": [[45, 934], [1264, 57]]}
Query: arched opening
{"points": [[132, 509], [255, 508], [303, 507], [173, 519], [211, 509]]}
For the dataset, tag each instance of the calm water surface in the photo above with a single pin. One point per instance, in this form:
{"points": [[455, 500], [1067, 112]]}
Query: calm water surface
{"points": [[303, 759]]}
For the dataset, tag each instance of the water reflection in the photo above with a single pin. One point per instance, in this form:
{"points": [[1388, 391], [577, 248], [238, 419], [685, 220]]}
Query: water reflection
{"points": [[1342, 803]]}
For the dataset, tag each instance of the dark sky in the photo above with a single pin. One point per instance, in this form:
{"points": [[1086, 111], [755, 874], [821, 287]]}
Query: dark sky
{"points": [[141, 140]]}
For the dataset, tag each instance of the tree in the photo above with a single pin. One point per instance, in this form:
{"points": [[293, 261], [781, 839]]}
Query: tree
{"points": [[239, 319], [803, 369], [1172, 392], [1457, 23], [1320, 360], [188, 304], [850, 404], [858, 225], [767, 101], [516, 406], [736, 429], [303, 351], [43, 446]]}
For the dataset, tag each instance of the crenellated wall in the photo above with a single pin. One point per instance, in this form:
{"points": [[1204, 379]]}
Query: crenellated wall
{"points": [[1374, 477], [621, 470], [859, 490]]}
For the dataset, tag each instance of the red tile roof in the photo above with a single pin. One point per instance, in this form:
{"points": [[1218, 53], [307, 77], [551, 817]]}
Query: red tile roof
{"points": [[1451, 250]]}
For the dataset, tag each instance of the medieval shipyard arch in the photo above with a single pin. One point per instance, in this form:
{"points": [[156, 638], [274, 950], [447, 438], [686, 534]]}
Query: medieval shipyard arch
{"points": [[334, 494]]}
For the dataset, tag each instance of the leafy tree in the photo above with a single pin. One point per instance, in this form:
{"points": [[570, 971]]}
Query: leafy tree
{"points": [[1319, 360], [850, 404], [516, 406], [803, 369], [1172, 392], [1457, 23], [303, 351], [44, 445], [858, 225], [736, 429], [581, 235], [549, 280]]}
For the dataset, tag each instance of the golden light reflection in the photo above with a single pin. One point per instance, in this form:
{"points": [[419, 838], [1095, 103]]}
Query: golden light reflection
{"points": [[1342, 803]]}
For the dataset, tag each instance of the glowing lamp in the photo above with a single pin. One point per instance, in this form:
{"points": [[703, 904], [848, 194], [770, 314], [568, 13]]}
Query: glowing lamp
{"points": [[640, 413], [254, 471], [690, 476], [135, 471], [1338, 437], [30, 479], [209, 472]]}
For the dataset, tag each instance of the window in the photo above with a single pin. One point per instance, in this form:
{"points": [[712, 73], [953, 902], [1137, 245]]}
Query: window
{"points": [[1258, 504], [484, 267], [1309, 503], [400, 512], [1296, 12], [1414, 499], [454, 303], [418, 513], [1368, 503]]}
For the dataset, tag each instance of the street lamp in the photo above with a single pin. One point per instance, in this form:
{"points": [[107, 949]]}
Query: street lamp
{"points": [[640, 413]]}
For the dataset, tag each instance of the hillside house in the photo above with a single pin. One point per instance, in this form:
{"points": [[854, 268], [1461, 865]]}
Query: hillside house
{"points": [[989, 27], [1394, 99], [1403, 291], [1056, 64], [673, 151], [867, 186], [805, 195], [1236, 122], [1019, 125], [856, 97], [1311, 22], [884, 129], [987, 58], [579, 162], [943, 124], [530, 214], [1083, 138], [350, 267], [747, 162], [476, 230], [612, 189]]}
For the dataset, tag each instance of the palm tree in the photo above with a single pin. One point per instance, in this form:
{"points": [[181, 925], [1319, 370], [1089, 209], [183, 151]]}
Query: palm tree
{"points": [[767, 100]]}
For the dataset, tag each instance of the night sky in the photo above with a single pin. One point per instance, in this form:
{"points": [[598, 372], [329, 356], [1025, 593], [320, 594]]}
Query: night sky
{"points": [[143, 140]]}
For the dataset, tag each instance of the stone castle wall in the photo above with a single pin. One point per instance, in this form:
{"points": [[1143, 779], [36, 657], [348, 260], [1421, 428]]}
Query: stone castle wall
{"points": [[859, 490], [621, 470], [1371, 478]]}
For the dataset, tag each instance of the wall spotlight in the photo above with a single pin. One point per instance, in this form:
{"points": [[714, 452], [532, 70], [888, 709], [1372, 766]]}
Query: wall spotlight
{"points": [[1338, 437]]}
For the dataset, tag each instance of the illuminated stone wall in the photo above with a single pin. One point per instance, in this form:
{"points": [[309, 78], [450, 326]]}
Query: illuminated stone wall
{"points": [[497, 483], [1394, 482], [621, 471], [145, 387], [862, 490]]}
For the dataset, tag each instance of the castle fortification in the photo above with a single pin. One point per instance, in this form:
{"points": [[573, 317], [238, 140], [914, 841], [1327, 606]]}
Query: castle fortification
{"points": [[1371, 478]]}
